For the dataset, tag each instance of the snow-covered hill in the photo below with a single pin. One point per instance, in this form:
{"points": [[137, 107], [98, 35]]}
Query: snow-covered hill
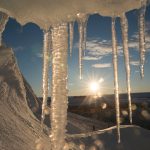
{"points": [[132, 138], [83, 124], [21, 130]]}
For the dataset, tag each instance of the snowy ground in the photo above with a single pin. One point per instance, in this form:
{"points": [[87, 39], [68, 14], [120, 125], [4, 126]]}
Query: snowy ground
{"points": [[20, 130]]}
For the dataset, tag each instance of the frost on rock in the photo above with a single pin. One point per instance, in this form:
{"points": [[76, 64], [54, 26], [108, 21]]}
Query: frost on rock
{"points": [[115, 65], [71, 31], [3, 20], [142, 35], [124, 28], [59, 89], [82, 23], [46, 60]]}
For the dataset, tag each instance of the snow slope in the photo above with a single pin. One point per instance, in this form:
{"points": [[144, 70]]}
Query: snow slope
{"points": [[132, 138], [83, 124], [19, 128]]}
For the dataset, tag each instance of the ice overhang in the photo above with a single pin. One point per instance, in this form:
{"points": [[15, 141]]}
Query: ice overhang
{"points": [[48, 12]]}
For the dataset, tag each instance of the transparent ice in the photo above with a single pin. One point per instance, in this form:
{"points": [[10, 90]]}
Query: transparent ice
{"points": [[116, 86], [124, 28], [142, 35], [59, 91], [82, 23], [46, 61], [71, 31]]}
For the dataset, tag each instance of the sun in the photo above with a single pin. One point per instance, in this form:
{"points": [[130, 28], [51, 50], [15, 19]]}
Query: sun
{"points": [[94, 86]]}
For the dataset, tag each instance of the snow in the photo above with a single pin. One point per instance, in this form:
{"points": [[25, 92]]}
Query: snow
{"points": [[48, 12], [133, 137], [3, 21], [19, 128]]}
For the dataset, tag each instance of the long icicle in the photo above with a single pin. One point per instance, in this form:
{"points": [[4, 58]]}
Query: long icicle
{"points": [[59, 91], [115, 65], [3, 20], [71, 31], [82, 21], [142, 36], [124, 29], [46, 61], [85, 34]]}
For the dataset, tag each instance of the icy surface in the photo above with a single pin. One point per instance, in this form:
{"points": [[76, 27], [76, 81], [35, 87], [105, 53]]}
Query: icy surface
{"points": [[71, 32], [48, 12], [142, 35], [46, 61], [124, 28], [116, 86], [59, 91], [3, 21]]}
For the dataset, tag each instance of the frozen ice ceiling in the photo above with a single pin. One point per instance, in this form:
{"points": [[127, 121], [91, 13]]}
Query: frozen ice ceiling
{"points": [[47, 12]]}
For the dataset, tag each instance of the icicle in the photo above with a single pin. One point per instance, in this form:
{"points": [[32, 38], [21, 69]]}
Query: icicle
{"points": [[3, 20], [124, 28], [82, 22], [85, 34], [142, 36], [71, 31], [59, 90], [46, 60], [115, 65]]}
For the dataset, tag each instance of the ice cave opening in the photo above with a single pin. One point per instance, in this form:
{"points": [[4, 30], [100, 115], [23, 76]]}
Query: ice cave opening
{"points": [[55, 48]]}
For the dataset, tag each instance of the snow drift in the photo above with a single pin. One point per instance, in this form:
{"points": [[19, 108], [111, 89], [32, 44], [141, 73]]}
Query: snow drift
{"points": [[19, 128]]}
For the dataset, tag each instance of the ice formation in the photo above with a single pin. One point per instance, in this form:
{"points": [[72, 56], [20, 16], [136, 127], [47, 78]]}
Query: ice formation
{"points": [[124, 28], [55, 13], [82, 22], [46, 60], [3, 20], [142, 35], [59, 100], [52, 12], [71, 32], [115, 64]]}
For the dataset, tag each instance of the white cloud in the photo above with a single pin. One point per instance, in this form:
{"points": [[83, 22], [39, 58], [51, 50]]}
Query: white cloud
{"points": [[104, 65], [134, 41], [40, 55], [91, 58], [135, 63], [101, 48], [19, 48]]}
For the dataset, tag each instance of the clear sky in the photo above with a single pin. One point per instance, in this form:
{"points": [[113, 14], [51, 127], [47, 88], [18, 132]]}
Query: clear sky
{"points": [[27, 42]]}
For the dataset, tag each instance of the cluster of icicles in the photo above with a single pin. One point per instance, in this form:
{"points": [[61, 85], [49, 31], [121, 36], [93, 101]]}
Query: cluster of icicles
{"points": [[55, 52]]}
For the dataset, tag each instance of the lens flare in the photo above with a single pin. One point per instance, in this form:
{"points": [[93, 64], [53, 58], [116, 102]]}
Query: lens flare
{"points": [[94, 86]]}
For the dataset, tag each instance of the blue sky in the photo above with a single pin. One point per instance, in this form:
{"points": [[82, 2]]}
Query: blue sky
{"points": [[27, 42]]}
